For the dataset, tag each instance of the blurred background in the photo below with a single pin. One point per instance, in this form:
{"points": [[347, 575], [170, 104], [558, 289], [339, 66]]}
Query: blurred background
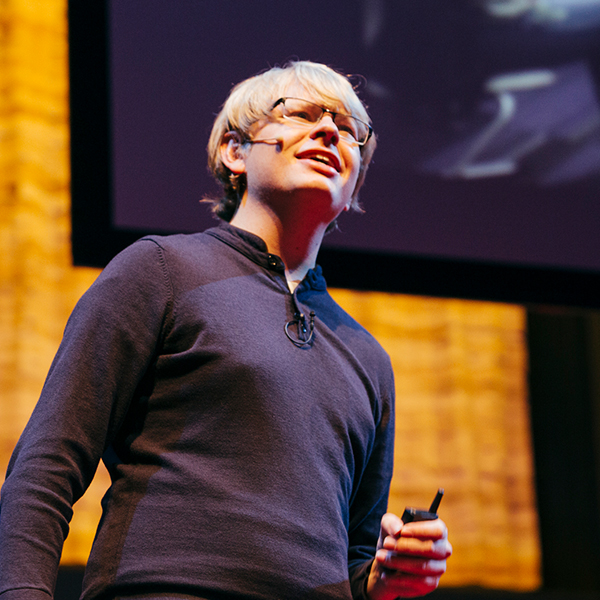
{"points": [[474, 264]]}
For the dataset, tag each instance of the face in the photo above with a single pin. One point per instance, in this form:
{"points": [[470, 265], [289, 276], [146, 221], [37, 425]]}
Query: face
{"points": [[307, 165]]}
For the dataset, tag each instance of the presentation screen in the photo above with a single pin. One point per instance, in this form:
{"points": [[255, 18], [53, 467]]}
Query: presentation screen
{"points": [[487, 117]]}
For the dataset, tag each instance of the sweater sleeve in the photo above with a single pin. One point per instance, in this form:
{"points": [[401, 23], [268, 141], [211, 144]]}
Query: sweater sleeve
{"points": [[109, 342], [369, 503]]}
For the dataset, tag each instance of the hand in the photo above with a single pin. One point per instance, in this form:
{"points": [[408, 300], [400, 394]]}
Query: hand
{"points": [[410, 559]]}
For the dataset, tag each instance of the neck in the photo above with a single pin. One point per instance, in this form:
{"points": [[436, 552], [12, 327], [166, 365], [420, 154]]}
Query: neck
{"points": [[292, 237]]}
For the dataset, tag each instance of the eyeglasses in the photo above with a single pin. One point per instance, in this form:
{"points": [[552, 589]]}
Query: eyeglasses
{"points": [[303, 113]]}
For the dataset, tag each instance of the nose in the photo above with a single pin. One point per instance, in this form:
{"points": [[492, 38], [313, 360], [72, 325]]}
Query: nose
{"points": [[327, 129]]}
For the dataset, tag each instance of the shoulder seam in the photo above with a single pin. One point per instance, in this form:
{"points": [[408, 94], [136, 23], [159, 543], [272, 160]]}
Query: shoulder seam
{"points": [[170, 305]]}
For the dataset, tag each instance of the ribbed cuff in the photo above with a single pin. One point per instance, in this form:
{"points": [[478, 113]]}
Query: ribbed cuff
{"points": [[358, 581]]}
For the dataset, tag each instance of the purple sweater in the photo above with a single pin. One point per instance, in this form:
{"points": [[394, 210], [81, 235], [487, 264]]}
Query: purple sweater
{"points": [[243, 465]]}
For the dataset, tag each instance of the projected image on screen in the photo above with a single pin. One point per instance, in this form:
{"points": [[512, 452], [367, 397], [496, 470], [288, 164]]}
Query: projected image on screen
{"points": [[487, 114]]}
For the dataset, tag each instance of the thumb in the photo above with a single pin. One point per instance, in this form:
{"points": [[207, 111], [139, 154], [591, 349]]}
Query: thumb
{"points": [[391, 525]]}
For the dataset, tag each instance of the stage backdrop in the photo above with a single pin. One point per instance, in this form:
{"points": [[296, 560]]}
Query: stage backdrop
{"points": [[488, 123], [460, 366]]}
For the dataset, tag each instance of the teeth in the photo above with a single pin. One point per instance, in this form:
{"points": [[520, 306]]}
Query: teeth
{"points": [[321, 158]]}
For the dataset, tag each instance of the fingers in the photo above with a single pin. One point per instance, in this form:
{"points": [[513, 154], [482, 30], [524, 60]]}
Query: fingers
{"points": [[391, 561], [410, 559], [393, 585], [395, 575], [426, 530], [407, 537], [413, 548]]}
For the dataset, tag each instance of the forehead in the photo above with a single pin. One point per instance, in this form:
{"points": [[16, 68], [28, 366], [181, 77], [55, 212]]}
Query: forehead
{"points": [[327, 99]]}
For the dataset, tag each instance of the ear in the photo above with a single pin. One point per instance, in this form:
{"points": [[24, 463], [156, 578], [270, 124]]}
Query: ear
{"points": [[233, 153]]}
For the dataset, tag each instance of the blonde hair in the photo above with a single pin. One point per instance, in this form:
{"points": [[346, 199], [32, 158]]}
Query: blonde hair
{"points": [[253, 98]]}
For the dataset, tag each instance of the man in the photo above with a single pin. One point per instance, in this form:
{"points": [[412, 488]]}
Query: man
{"points": [[245, 419]]}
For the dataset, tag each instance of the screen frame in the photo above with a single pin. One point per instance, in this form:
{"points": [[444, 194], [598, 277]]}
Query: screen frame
{"points": [[95, 240]]}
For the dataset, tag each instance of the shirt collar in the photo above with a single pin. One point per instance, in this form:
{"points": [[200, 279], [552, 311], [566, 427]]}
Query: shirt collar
{"points": [[254, 248]]}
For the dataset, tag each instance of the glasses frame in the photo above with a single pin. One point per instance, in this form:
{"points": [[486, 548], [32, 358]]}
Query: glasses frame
{"points": [[324, 110]]}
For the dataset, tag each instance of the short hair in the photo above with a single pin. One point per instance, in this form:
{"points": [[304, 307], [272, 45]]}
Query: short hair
{"points": [[253, 98]]}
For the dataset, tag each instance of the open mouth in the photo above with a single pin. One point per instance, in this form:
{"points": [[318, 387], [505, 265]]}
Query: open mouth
{"points": [[324, 159]]}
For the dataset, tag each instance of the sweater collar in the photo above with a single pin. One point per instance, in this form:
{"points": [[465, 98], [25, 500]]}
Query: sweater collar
{"points": [[254, 248]]}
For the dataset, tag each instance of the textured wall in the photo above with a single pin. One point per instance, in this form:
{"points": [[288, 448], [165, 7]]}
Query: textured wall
{"points": [[460, 366], [462, 423], [38, 284]]}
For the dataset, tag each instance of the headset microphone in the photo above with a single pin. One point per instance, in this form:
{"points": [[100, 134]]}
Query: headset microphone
{"points": [[275, 141]]}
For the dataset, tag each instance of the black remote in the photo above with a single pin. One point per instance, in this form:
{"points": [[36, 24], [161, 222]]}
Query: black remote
{"points": [[416, 514]]}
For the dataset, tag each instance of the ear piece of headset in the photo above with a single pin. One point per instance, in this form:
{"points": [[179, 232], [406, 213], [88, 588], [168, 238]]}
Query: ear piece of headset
{"points": [[234, 144]]}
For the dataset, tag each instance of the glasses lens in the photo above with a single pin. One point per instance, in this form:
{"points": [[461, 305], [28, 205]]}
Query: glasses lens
{"points": [[302, 112], [306, 113], [350, 127]]}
